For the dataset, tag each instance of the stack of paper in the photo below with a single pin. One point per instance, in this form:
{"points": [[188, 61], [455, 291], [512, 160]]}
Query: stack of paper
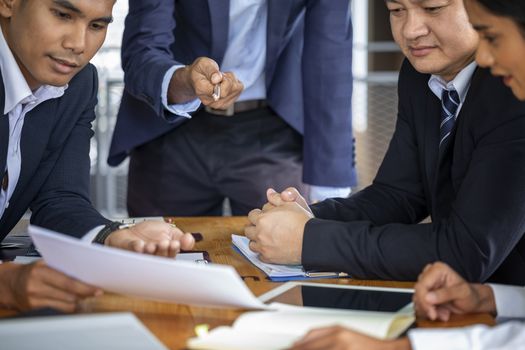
{"points": [[80, 332], [278, 273], [144, 276]]}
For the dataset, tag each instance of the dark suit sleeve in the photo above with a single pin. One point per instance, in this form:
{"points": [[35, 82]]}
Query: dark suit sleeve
{"points": [[327, 86], [146, 55], [62, 203], [375, 234]]}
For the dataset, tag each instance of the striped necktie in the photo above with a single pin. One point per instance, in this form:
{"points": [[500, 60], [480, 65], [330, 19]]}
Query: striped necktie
{"points": [[449, 107]]}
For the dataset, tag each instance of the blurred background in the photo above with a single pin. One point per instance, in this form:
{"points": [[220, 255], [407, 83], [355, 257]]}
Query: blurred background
{"points": [[376, 61]]}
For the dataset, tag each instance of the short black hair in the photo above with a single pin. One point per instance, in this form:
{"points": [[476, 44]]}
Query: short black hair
{"points": [[512, 9]]}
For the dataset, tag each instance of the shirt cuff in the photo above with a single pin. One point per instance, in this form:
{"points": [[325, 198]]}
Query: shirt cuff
{"points": [[320, 193], [433, 339], [90, 236], [510, 300], [182, 110]]}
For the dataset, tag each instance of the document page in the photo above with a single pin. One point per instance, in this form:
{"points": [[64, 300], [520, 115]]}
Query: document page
{"points": [[144, 276], [110, 331]]}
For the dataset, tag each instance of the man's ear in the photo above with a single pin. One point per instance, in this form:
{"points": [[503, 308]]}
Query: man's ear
{"points": [[6, 8]]}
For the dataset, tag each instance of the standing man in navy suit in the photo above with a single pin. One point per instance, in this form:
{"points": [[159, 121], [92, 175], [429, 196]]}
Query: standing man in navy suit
{"points": [[48, 92], [281, 75]]}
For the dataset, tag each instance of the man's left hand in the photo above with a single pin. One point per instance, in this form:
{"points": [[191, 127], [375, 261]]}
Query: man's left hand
{"points": [[277, 234], [152, 237]]}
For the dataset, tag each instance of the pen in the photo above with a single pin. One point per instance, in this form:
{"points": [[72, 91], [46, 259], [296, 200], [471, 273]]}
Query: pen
{"points": [[325, 274], [216, 92]]}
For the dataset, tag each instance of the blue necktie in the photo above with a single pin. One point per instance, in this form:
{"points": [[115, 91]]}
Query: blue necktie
{"points": [[449, 107]]}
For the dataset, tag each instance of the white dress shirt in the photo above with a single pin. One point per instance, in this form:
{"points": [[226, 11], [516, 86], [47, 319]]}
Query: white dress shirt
{"points": [[460, 83], [19, 100], [510, 303], [507, 336]]}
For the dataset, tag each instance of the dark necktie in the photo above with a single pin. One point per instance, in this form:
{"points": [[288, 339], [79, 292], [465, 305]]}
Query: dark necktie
{"points": [[449, 107]]}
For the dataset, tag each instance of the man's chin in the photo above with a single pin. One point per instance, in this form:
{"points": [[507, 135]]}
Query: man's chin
{"points": [[426, 65]]}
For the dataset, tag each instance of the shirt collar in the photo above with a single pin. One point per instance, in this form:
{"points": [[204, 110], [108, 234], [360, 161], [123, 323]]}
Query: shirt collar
{"points": [[15, 85], [460, 83]]}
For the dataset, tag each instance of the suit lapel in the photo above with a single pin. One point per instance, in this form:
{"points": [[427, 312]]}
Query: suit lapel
{"points": [[433, 115], [36, 131], [219, 19], [278, 15]]}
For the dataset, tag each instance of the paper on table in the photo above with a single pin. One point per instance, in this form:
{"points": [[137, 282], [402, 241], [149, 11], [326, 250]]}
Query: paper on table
{"points": [[144, 276], [109, 331], [193, 257], [22, 259]]}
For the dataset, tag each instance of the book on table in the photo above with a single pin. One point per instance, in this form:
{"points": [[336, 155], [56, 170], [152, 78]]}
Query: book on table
{"points": [[319, 306]]}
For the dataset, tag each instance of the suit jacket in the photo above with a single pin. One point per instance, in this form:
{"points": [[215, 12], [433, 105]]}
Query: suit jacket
{"points": [[474, 193], [308, 73], [54, 179]]}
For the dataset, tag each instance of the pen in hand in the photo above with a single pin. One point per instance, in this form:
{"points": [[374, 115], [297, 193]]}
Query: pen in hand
{"points": [[216, 92]]}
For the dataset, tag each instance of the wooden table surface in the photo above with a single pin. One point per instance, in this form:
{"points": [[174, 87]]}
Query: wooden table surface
{"points": [[173, 324]]}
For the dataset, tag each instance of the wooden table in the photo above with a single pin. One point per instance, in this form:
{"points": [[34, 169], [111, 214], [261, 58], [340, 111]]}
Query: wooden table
{"points": [[173, 324]]}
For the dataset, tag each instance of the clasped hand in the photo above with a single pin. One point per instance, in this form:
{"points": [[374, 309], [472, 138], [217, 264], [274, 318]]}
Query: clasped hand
{"points": [[276, 231]]}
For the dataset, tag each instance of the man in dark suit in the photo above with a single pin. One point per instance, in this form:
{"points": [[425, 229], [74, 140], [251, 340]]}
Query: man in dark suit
{"points": [[290, 124], [48, 95], [466, 176]]}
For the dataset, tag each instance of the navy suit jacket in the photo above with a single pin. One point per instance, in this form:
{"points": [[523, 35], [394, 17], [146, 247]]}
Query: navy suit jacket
{"points": [[54, 179], [474, 193], [308, 73]]}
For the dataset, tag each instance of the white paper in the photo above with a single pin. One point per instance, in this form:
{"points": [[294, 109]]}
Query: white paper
{"points": [[109, 331], [272, 270], [144, 276], [270, 330]]}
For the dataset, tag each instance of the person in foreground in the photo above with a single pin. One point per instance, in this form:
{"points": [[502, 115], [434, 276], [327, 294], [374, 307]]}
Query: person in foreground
{"points": [[440, 291], [457, 154], [47, 95]]}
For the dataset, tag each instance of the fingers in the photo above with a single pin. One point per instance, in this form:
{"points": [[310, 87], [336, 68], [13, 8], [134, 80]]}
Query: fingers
{"points": [[250, 232], [268, 207], [447, 295], [38, 285], [205, 75], [254, 215], [187, 242], [230, 87], [58, 280], [317, 339], [291, 194], [274, 198]]}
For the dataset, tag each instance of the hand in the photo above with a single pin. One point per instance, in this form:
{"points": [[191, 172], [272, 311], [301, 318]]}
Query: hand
{"points": [[36, 285], [289, 195], [344, 339], [440, 291], [277, 234], [152, 237], [198, 81]]}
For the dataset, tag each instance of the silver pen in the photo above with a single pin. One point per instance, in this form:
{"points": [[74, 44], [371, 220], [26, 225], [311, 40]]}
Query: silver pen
{"points": [[216, 92]]}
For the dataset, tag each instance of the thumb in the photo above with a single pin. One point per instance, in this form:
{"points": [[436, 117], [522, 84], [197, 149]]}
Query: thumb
{"points": [[291, 194], [274, 198], [216, 77]]}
